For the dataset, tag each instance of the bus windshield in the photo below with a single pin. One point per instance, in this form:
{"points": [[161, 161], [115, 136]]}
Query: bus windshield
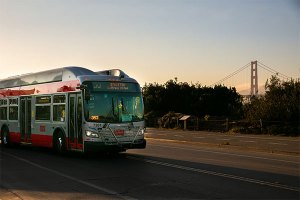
{"points": [[111, 102]]}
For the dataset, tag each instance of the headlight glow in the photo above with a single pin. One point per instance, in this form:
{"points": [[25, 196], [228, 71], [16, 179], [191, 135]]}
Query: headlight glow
{"points": [[141, 132], [91, 134]]}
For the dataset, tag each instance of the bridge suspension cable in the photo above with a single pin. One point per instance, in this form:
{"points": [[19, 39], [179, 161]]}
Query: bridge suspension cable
{"points": [[231, 75], [260, 64], [269, 69]]}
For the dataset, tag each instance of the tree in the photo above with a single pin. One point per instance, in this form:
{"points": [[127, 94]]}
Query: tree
{"points": [[281, 103], [191, 99]]}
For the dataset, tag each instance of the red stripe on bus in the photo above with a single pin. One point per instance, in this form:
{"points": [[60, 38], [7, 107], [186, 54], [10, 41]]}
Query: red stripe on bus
{"points": [[41, 140], [44, 88], [14, 137], [36, 139], [75, 145]]}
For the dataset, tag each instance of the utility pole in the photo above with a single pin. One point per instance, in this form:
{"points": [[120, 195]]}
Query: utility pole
{"points": [[254, 79]]}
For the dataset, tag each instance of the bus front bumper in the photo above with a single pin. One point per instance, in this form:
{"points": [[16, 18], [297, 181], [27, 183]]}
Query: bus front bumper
{"points": [[102, 146]]}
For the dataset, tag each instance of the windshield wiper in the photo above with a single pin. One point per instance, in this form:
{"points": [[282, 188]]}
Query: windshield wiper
{"points": [[112, 106]]}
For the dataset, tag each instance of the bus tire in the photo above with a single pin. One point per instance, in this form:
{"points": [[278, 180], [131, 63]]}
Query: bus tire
{"points": [[5, 137], [59, 142]]}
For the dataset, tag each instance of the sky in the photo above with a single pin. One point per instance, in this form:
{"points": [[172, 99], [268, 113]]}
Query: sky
{"points": [[197, 41]]}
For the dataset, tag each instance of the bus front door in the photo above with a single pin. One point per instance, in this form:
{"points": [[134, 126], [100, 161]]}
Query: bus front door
{"points": [[25, 119], [75, 122]]}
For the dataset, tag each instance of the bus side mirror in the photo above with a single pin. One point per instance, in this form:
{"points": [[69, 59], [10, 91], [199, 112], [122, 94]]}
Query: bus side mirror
{"points": [[86, 92]]}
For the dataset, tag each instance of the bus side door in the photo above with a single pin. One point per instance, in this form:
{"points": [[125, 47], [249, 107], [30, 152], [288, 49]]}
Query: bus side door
{"points": [[25, 119], [75, 121]]}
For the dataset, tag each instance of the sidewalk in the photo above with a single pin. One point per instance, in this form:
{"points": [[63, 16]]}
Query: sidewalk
{"points": [[268, 143]]}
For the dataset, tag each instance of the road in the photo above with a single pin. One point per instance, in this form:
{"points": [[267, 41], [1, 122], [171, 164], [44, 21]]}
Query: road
{"points": [[164, 170]]}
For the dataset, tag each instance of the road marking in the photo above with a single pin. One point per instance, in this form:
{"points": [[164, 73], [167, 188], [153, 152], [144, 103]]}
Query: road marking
{"points": [[249, 141], [178, 136], [102, 189], [162, 134], [223, 139], [275, 143], [240, 178], [274, 138], [200, 137]]}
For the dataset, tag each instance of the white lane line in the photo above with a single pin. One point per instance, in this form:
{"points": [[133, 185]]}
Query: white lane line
{"points": [[275, 143], [248, 141], [223, 153], [275, 138], [102, 189], [240, 178], [161, 134], [200, 137], [178, 136]]}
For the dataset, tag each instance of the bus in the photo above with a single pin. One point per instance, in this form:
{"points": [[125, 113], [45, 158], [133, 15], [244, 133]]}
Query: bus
{"points": [[73, 109]]}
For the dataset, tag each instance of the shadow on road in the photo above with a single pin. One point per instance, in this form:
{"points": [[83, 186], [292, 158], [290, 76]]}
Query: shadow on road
{"points": [[39, 173]]}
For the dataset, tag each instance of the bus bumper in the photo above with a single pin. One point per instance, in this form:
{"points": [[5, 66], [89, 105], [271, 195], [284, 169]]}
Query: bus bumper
{"points": [[101, 146]]}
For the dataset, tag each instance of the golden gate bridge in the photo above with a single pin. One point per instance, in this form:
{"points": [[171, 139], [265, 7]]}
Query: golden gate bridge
{"points": [[251, 89]]}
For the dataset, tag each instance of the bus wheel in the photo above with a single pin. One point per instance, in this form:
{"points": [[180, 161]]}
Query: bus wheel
{"points": [[5, 138], [59, 143]]}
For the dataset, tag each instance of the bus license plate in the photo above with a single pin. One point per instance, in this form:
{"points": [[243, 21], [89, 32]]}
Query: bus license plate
{"points": [[119, 132]]}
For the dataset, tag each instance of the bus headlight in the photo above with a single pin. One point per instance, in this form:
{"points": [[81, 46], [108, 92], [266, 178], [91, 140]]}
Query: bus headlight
{"points": [[91, 134], [141, 132]]}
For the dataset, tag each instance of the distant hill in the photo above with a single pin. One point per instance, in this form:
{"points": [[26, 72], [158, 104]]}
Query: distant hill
{"points": [[261, 90]]}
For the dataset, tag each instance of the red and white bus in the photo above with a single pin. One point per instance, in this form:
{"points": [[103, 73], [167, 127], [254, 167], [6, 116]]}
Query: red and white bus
{"points": [[72, 109]]}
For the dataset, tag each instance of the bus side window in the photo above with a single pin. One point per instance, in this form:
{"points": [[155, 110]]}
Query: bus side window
{"points": [[13, 109], [3, 109], [59, 113], [43, 108], [59, 108]]}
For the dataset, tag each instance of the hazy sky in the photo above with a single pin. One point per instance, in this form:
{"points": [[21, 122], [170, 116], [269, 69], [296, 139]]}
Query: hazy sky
{"points": [[152, 40]]}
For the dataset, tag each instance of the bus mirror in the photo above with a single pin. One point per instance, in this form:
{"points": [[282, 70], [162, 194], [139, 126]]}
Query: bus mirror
{"points": [[87, 95], [81, 87], [86, 92]]}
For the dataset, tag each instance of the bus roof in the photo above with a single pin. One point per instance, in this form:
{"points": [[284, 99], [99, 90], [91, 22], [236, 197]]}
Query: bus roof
{"points": [[55, 75]]}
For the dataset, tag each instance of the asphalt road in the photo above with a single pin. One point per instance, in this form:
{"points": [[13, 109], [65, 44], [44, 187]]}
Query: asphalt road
{"points": [[164, 170]]}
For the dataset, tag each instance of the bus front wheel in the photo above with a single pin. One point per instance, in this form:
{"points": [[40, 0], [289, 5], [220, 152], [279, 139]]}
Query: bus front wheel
{"points": [[59, 142], [5, 138]]}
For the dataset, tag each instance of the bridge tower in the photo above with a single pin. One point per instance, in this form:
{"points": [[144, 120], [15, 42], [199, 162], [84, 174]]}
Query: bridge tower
{"points": [[254, 79]]}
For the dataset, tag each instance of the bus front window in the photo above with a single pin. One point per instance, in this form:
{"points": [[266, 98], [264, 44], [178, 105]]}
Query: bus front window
{"points": [[114, 107]]}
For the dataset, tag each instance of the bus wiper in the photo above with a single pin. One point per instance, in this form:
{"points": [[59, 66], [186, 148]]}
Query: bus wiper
{"points": [[112, 106], [122, 103]]}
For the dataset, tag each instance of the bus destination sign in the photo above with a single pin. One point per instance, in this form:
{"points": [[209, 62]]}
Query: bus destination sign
{"points": [[115, 86]]}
